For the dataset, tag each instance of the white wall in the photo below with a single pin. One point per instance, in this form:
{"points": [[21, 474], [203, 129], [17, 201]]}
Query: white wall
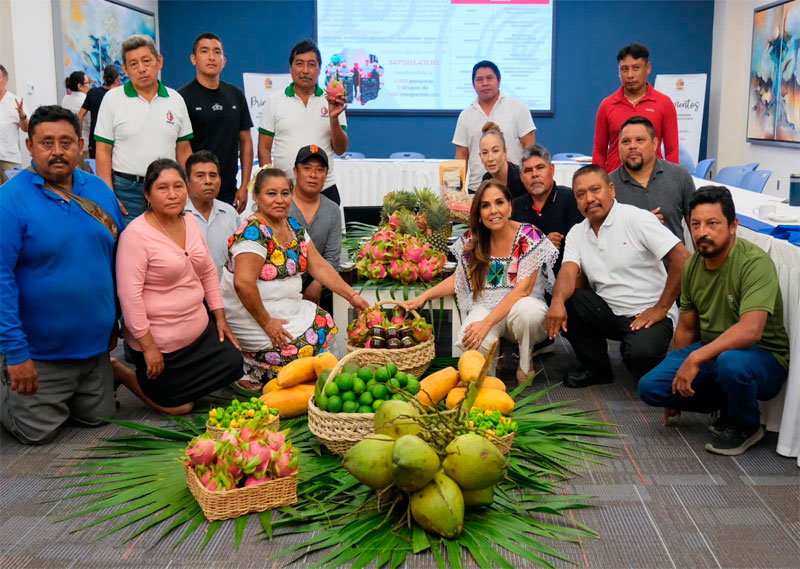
{"points": [[727, 123]]}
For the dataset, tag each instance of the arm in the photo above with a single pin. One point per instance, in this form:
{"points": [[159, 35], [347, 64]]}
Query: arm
{"points": [[264, 149], [246, 158], [688, 330], [103, 162], [669, 135], [183, 149], [81, 114], [600, 148], [528, 140], [566, 282], [462, 153], [23, 116], [676, 258], [329, 278], [338, 120], [445, 288], [247, 267]]}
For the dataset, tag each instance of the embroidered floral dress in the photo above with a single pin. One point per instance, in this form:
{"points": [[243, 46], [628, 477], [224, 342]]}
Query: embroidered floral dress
{"points": [[532, 251], [279, 285]]}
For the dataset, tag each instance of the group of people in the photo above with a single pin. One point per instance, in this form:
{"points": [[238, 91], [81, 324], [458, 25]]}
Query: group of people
{"points": [[210, 296]]}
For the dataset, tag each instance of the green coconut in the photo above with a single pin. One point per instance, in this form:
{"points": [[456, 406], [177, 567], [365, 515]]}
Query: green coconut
{"points": [[439, 506], [397, 418], [478, 498], [414, 463], [370, 461], [474, 462]]}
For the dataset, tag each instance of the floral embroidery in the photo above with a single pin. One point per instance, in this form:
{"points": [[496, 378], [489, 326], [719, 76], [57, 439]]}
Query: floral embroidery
{"points": [[280, 262], [305, 352], [495, 273], [277, 257], [251, 233]]}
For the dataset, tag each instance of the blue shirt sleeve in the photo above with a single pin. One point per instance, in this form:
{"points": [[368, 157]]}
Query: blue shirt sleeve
{"points": [[13, 343]]}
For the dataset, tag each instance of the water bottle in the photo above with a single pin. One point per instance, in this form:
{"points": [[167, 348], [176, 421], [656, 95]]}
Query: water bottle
{"points": [[794, 190]]}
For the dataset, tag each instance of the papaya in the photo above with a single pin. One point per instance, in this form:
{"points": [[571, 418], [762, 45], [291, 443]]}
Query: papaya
{"points": [[324, 360], [494, 400], [436, 386], [297, 371], [291, 401], [271, 385], [493, 382], [469, 365], [455, 396]]}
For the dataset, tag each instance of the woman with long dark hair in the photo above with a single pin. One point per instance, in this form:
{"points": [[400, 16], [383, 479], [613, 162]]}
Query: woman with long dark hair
{"points": [[78, 84], [503, 269]]}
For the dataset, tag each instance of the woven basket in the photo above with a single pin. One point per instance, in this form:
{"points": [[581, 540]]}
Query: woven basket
{"points": [[504, 444], [340, 431], [459, 204], [236, 502], [216, 432], [414, 360]]}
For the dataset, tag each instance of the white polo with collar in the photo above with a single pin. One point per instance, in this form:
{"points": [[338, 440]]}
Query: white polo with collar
{"points": [[623, 262], [141, 131], [293, 125], [223, 221]]}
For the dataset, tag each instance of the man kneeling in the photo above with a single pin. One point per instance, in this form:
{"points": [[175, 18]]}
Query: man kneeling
{"points": [[730, 301]]}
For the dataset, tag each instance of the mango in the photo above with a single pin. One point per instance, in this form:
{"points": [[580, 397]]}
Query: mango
{"points": [[414, 463], [439, 506], [397, 418], [474, 462], [370, 461]]}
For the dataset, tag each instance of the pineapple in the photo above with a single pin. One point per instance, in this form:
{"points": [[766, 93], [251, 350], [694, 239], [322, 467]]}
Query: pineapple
{"points": [[436, 212], [396, 201], [408, 223]]}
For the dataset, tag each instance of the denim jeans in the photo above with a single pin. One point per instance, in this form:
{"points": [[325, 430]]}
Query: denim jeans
{"points": [[733, 382], [131, 194]]}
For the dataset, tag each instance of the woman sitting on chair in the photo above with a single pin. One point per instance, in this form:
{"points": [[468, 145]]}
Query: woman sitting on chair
{"points": [[494, 157], [503, 268]]}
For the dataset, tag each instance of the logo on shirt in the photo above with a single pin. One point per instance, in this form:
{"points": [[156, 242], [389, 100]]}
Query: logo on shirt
{"points": [[650, 110], [198, 108], [216, 107], [730, 298], [324, 112], [170, 118]]}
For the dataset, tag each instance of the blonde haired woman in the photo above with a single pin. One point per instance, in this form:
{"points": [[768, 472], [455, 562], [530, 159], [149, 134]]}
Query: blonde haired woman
{"points": [[494, 157]]}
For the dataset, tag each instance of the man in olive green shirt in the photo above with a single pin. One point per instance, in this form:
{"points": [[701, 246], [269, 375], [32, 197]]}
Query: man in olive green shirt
{"points": [[731, 348]]}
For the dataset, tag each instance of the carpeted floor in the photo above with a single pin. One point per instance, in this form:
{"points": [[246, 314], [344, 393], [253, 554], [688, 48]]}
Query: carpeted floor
{"points": [[664, 502]]}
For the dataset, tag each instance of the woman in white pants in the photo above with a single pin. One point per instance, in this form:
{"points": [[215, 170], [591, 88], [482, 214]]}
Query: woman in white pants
{"points": [[503, 269]]}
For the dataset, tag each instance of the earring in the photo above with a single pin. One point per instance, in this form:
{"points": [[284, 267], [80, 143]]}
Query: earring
{"points": [[149, 206]]}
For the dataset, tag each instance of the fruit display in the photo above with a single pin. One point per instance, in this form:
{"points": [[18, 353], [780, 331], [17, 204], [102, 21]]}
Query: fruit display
{"points": [[494, 423], [363, 389], [240, 412], [429, 213], [290, 391], [374, 330]]}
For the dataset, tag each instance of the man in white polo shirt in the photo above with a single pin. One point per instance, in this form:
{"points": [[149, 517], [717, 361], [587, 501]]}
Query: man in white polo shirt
{"points": [[13, 118], [620, 251], [511, 115], [303, 115], [138, 123]]}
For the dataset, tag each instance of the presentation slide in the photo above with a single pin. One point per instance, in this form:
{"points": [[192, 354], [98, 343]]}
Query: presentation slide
{"points": [[417, 55]]}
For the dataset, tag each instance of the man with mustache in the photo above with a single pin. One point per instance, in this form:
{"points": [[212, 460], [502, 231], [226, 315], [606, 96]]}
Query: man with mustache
{"points": [[58, 229], [648, 182], [619, 251], [303, 115], [731, 348]]}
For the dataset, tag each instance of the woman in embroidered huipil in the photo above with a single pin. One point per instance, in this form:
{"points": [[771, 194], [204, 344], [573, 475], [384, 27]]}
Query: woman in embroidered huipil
{"points": [[503, 270], [261, 284]]}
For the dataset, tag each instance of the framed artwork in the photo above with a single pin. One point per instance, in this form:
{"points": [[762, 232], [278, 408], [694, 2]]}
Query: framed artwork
{"points": [[774, 85], [89, 33]]}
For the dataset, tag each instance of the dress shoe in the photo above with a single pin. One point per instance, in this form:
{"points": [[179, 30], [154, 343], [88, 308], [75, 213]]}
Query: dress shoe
{"points": [[585, 378]]}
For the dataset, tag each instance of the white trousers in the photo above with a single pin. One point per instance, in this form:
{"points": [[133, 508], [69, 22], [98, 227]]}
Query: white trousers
{"points": [[524, 325]]}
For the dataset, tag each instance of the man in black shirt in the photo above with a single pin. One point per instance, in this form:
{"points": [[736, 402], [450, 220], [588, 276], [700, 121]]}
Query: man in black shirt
{"points": [[220, 119], [91, 104], [549, 207]]}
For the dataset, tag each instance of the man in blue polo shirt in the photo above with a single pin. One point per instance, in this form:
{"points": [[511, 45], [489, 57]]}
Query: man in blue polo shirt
{"points": [[58, 227]]}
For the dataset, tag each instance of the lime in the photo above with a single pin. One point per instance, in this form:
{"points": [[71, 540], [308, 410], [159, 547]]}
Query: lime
{"points": [[331, 389], [412, 386], [392, 369], [366, 398], [365, 409], [410, 377], [379, 391], [358, 386], [334, 404], [398, 397], [382, 374], [348, 396], [365, 373], [376, 404], [349, 407], [345, 381], [322, 403], [350, 367], [393, 383], [370, 383], [402, 377]]}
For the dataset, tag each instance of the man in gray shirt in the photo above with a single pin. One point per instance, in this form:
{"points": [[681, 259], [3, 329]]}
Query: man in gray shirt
{"points": [[644, 181], [319, 215]]}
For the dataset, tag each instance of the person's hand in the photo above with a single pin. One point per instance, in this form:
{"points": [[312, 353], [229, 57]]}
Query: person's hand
{"points": [[224, 330], [358, 302], [240, 201], [415, 303], [112, 342], [122, 207], [155, 362], [313, 292], [555, 321], [685, 376], [669, 412], [475, 334], [20, 108], [336, 106], [556, 239], [24, 378], [657, 213], [277, 333], [649, 317]]}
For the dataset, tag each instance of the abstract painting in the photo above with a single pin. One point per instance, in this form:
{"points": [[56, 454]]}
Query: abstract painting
{"points": [[774, 107], [92, 32]]}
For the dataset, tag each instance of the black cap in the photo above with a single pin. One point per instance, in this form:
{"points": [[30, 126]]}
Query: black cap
{"points": [[312, 151]]}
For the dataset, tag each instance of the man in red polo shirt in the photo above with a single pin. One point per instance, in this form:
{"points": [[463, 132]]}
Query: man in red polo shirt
{"points": [[635, 97]]}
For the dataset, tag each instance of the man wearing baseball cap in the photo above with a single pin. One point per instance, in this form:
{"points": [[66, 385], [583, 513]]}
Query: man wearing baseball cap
{"points": [[319, 215]]}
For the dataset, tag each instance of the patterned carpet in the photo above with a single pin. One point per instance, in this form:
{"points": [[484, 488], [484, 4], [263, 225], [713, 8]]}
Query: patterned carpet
{"points": [[664, 502]]}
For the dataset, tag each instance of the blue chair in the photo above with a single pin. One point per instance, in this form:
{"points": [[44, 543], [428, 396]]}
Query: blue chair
{"points": [[92, 164], [704, 168], [752, 166], [406, 156], [731, 176], [686, 159], [568, 156], [755, 181], [352, 156]]}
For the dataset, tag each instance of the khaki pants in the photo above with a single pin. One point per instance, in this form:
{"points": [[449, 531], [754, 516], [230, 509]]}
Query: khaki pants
{"points": [[6, 165]]}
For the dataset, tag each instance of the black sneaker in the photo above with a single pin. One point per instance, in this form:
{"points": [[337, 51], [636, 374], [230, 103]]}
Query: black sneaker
{"points": [[719, 424], [585, 378], [734, 440]]}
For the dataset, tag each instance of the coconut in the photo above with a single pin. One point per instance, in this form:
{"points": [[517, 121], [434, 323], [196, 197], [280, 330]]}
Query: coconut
{"points": [[439, 506], [414, 463], [370, 461], [478, 498], [397, 418], [474, 462]]}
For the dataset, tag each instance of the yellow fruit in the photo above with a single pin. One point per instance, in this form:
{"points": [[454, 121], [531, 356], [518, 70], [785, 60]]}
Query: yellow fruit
{"points": [[494, 383], [296, 372], [455, 396], [289, 402], [212, 413], [234, 424], [271, 385], [436, 386], [469, 365], [251, 413], [325, 360], [494, 400]]}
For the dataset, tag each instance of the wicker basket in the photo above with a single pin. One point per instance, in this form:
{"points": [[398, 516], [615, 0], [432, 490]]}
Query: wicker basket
{"points": [[216, 432], [340, 431], [459, 203], [504, 444], [414, 360], [236, 502]]}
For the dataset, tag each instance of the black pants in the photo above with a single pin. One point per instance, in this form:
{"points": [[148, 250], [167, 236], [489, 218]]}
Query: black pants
{"points": [[591, 322], [332, 193]]}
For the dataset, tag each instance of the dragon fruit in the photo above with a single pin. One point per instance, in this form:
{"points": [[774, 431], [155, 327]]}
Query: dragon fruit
{"points": [[230, 438], [286, 462], [276, 440], [335, 89], [357, 332], [247, 433], [254, 455], [201, 451], [376, 270], [394, 221], [216, 480], [253, 480], [427, 270], [421, 331], [422, 222], [394, 270], [413, 252], [398, 319], [408, 272], [373, 317], [231, 464]]}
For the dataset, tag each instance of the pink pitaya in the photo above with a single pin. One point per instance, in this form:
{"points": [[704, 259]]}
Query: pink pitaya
{"points": [[420, 330], [335, 89], [377, 271], [413, 251], [398, 318], [276, 440], [427, 271], [357, 332], [422, 222], [253, 480], [229, 437], [408, 272], [394, 270], [248, 432], [373, 317], [286, 462], [202, 450], [230, 464], [256, 454], [394, 221]]}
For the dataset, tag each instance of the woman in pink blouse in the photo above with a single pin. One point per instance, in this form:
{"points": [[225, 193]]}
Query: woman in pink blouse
{"points": [[164, 272]]}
